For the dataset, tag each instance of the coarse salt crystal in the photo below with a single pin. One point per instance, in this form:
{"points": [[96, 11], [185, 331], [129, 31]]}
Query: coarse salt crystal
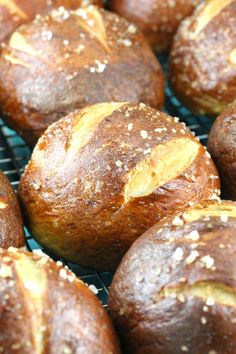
{"points": [[143, 134], [177, 221], [178, 254]]}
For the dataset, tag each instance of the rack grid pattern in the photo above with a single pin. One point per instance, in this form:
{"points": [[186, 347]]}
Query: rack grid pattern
{"points": [[14, 155]]}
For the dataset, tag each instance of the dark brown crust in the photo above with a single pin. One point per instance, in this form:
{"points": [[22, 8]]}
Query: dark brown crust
{"points": [[23, 11], [201, 74], [222, 145], [73, 319], [148, 323], [157, 19], [11, 224], [57, 79], [76, 207]]}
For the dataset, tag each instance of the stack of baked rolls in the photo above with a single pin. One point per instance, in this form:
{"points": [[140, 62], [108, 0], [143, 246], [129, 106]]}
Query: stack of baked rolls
{"points": [[11, 223], [174, 291], [14, 13], [103, 175], [70, 59], [222, 145], [203, 58], [44, 308], [157, 19]]}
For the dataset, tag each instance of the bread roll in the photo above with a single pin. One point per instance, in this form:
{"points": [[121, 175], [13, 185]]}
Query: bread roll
{"points": [[203, 58], [102, 176], [11, 224], [68, 60], [222, 145], [44, 308], [174, 291], [14, 13], [157, 19]]}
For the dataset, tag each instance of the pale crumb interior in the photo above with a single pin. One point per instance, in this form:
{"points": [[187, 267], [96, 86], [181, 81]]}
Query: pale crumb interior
{"points": [[166, 162], [34, 281], [207, 102], [210, 210], [15, 61], [2, 205], [86, 122], [18, 42], [205, 290], [232, 57], [97, 29], [211, 10], [13, 8]]}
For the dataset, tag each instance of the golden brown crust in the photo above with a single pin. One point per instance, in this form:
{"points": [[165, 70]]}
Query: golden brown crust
{"points": [[222, 146], [68, 60], [14, 13], [45, 309], [102, 176], [175, 289], [202, 61], [157, 19], [11, 224]]}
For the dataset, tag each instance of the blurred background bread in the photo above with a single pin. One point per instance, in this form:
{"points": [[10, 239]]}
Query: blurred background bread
{"points": [[14, 13], [44, 308], [174, 291], [102, 176], [203, 58], [67, 60], [157, 19], [11, 223], [222, 145]]}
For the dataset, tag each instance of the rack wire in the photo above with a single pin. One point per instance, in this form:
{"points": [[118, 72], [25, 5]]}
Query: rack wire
{"points": [[14, 155]]}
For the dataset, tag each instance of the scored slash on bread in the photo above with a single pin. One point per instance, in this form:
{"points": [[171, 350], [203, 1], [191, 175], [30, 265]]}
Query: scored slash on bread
{"points": [[14, 13], [38, 300], [103, 175], [71, 59], [202, 58], [175, 289]]}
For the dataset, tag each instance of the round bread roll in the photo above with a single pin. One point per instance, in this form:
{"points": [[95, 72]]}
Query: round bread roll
{"points": [[68, 60], [157, 19], [11, 224], [44, 308], [203, 58], [222, 145], [14, 13], [102, 176], [174, 291]]}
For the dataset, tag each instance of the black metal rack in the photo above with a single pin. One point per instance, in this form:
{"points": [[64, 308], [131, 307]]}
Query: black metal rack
{"points": [[14, 155]]}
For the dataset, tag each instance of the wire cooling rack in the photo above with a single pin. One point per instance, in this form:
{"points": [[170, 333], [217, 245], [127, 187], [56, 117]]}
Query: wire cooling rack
{"points": [[14, 155]]}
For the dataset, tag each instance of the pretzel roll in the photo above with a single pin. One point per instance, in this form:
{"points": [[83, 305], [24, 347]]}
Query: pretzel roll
{"points": [[102, 176], [11, 224], [68, 60], [174, 291], [14, 13], [203, 58], [222, 145], [157, 19], [44, 308]]}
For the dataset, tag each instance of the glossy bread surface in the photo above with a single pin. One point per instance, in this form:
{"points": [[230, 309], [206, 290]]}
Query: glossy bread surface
{"points": [[14, 13], [174, 290], [11, 223], [70, 59], [44, 308], [157, 19], [102, 176], [203, 58], [222, 145]]}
